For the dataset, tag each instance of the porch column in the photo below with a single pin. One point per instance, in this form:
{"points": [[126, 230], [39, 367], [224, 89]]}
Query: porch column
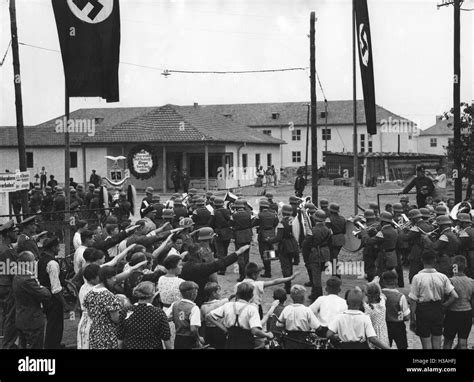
{"points": [[164, 169], [184, 165], [206, 166], [84, 168]]}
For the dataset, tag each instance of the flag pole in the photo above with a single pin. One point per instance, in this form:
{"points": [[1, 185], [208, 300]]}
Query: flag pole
{"points": [[67, 165], [314, 135], [354, 106]]}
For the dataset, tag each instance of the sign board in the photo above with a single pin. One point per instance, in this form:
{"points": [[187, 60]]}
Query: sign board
{"points": [[10, 182], [142, 162]]}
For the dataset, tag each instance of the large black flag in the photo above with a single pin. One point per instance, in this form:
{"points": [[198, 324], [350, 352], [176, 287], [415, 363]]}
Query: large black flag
{"points": [[89, 35], [366, 63]]}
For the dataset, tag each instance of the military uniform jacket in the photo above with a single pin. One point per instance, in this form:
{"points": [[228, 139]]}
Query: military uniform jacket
{"points": [[273, 206], [26, 243], [466, 238], [180, 212], [6, 253], [47, 203], [241, 222], [221, 224], [202, 217], [146, 202], [284, 237], [318, 242], [447, 243], [387, 238], [415, 240], [338, 227], [266, 221]]}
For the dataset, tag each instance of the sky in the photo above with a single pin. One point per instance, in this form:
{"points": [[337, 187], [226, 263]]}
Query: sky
{"points": [[412, 44]]}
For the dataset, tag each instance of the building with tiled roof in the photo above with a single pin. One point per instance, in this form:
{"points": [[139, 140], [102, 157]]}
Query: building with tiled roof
{"points": [[334, 132], [435, 139]]}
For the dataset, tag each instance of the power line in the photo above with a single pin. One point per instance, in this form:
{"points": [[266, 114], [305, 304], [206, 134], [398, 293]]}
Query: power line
{"points": [[167, 72], [6, 52]]}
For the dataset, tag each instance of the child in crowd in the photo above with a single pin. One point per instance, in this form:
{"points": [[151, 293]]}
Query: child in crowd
{"points": [[397, 311], [375, 308], [429, 288], [354, 328], [458, 319], [252, 271], [279, 294], [298, 320], [186, 316], [327, 307], [214, 336]]}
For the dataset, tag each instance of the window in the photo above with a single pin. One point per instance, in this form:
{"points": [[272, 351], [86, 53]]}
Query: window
{"points": [[323, 114], [269, 159], [245, 160], [257, 160], [362, 143], [296, 135], [73, 159], [433, 142], [370, 144], [410, 137], [29, 160], [326, 134], [267, 132], [275, 115], [296, 156]]}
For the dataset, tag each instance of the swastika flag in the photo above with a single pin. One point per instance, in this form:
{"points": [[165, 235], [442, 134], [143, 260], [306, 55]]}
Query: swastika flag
{"points": [[89, 36], [366, 63]]}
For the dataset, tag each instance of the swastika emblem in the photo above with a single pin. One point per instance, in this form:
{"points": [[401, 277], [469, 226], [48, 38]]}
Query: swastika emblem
{"points": [[91, 11], [364, 44]]}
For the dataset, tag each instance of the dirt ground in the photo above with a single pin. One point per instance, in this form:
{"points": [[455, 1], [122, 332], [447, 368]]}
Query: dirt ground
{"points": [[340, 194]]}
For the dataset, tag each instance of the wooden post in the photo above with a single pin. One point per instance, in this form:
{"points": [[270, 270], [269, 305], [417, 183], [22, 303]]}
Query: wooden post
{"points": [[84, 166], [354, 95], [307, 143], [164, 169], [67, 170], [314, 135], [18, 102], [457, 100], [206, 166]]}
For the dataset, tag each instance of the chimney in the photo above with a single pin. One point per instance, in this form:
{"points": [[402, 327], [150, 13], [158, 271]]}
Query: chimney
{"points": [[196, 105]]}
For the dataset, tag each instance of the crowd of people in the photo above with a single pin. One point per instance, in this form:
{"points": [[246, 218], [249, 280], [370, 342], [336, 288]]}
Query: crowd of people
{"points": [[154, 283]]}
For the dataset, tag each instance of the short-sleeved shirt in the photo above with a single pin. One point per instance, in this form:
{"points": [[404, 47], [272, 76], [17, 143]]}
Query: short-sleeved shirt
{"points": [[77, 240], [464, 287], [208, 307], [430, 285], [188, 314], [79, 261], [248, 314], [168, 288], [258, 290], [352, 326], [297, 317], [143, 326], [327, 307]]}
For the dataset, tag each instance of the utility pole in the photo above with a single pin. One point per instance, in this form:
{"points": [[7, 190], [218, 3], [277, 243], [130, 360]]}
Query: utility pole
{"points": [[456, 97], [18, 102], [354, 106], [314, 135], [307, 143]]}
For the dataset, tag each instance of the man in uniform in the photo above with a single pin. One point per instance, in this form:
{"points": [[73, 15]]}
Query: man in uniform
{"points": [[36, 199], [287, 244], [414, 238], [185, 180], [48, 276], [424, 187], [266, 222], [369, 244], [337, 224], [241, 223], [47, 204], [466, 237], [221, 225], [80, 192], [175, 177], [89, 195], [375, 207], [8, 237], [386, 240], [123, 209], [324, 205], [179, 210], [147, 200], [95, 179], [295, 203], [316, 250], [27, 239], [202, 217], [273, 205], [446, 246], [405, 202], [76, 201], [159, 207], [300, 183]]}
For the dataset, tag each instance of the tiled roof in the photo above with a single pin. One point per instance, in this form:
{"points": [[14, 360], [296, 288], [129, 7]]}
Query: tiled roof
{"points": [[386, 155], [440, 128], [151, 124], [261, 114]]}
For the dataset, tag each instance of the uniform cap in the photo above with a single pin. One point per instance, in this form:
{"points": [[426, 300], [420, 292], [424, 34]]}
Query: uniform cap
{"points": [[414, 213], [269, 195], [404, 198], [397, 207], [287, 210], [386, 217], [149, 190], [168, 213], [178, 202], [373, 206], [294, 200], [334, 207], [310, 206], [320, 216], [264, 203], [441, 210], [368, 214], [464, 218], [443, 220], [206, 233], [425, 212], [200, 202]]}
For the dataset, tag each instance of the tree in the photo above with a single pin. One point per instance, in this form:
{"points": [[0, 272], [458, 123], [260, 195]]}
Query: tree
{"points": [[466, 148]]}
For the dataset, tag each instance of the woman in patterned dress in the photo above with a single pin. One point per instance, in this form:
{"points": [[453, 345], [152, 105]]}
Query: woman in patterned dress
{"points": [[91, 275], [103, 308], [142, 325], [375, 308]]}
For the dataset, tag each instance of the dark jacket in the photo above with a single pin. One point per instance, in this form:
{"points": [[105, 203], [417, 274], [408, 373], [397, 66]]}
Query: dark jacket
{"points": [[28, 298], [199, 272]]}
